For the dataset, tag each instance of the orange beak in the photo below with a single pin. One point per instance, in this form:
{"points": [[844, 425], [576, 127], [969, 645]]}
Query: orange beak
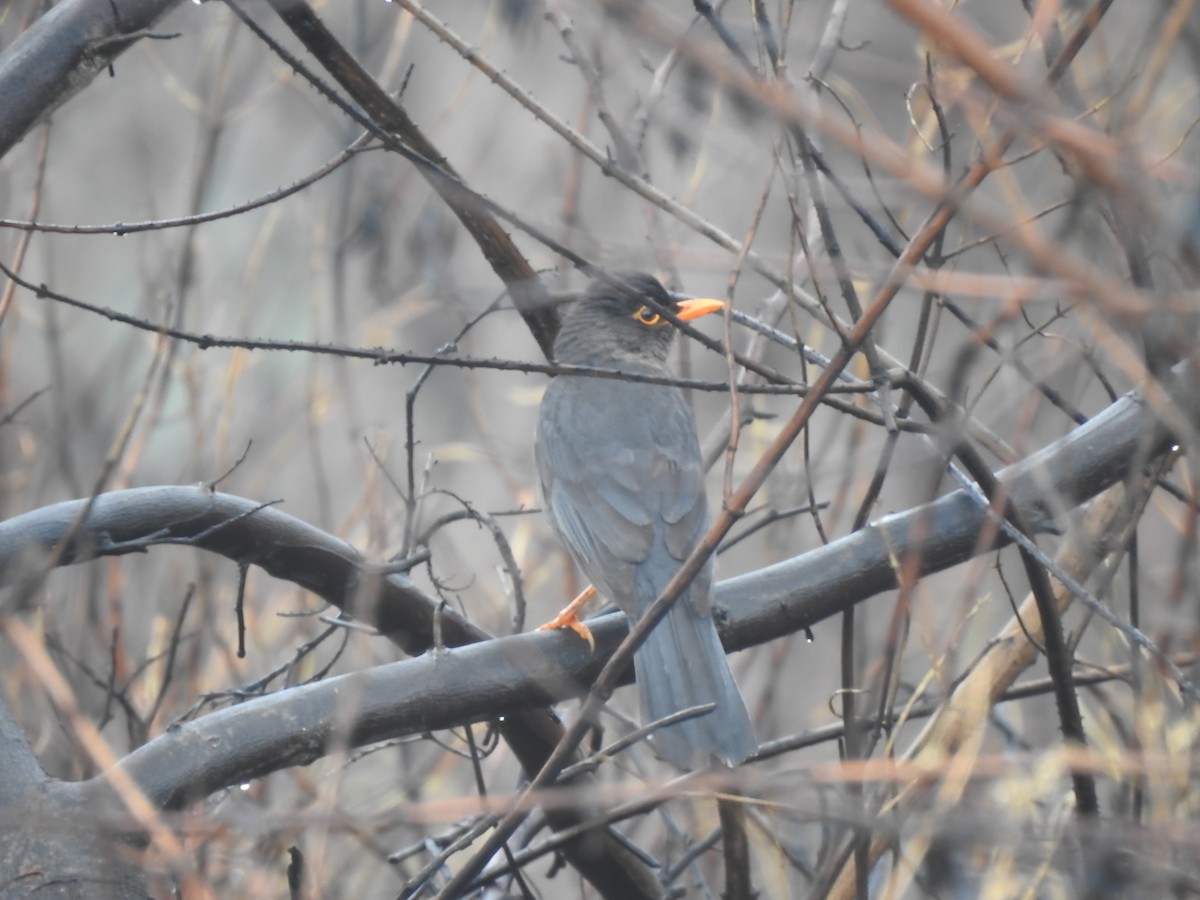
{"points": [[694, 309]]}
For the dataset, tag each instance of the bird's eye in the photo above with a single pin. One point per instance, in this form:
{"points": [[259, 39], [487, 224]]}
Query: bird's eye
{"points": [[647, 316]]}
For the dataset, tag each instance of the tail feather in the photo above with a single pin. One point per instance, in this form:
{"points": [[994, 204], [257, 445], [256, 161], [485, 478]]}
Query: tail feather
{"points": [[682, 664]]}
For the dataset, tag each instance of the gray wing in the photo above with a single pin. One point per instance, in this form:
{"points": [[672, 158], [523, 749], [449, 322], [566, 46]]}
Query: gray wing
{"points": [[620, 470]]}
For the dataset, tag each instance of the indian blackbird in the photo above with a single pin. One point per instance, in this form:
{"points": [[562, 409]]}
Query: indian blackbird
{"points": [[623, 482]]}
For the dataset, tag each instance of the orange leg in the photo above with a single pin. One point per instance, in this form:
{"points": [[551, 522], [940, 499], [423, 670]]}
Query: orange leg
{"points": [[569, 618]]}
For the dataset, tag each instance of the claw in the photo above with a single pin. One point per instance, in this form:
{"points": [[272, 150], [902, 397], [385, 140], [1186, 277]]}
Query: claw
{"points": [[569, 618]]}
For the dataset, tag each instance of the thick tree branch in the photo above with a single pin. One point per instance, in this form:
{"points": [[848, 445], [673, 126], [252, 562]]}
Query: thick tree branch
{"points": [[19, 769], [761, 605], [60, 55], [522, 671]]}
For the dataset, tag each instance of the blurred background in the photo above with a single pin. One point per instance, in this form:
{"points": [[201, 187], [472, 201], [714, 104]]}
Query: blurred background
{"points": [[369, 256]]}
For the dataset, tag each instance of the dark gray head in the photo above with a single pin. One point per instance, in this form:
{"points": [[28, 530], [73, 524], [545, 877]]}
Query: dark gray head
{"points": [[619, 322]]}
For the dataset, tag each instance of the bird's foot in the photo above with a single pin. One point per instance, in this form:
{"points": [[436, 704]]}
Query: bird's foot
{"points": [[569, 618]]}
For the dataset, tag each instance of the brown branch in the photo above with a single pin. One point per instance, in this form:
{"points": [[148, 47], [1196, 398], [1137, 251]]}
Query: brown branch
{"points": [[495, 244]]}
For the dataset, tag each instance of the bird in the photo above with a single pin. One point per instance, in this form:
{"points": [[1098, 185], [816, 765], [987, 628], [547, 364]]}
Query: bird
{"points": [[622, 479]]}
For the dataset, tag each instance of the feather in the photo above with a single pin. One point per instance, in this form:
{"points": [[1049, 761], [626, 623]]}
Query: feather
{"points": [[628, 504]]}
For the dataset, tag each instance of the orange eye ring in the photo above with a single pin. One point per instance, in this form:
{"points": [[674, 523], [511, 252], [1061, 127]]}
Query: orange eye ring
{"points": [[647, 316]]}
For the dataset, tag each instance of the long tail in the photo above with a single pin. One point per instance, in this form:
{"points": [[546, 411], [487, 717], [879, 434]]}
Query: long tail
{"points": [[682, 664]]}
